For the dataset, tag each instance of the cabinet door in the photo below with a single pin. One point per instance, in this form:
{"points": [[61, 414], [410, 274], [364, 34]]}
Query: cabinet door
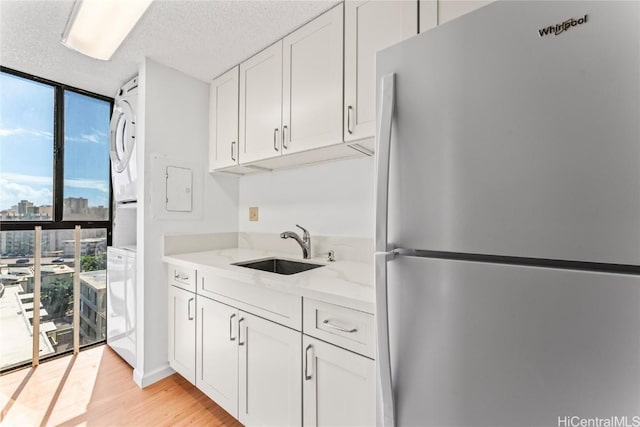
{"points": [[182, 332], [217, 353], [369, 27], [451, 9], [312, 84], [261, 105], [339, 386], [270, 363], [223, 120], [428, 14]]}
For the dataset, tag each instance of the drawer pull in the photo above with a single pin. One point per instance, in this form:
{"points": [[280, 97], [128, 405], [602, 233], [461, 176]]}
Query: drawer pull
{"points": [[181, 276], [328, 323]]}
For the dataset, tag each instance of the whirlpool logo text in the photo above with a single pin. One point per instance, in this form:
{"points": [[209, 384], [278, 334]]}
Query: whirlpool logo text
{"points": [[561, 28]]}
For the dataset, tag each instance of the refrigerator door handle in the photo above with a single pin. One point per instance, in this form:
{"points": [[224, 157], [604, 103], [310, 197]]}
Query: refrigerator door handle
{"points": [[385, 399], [383, 148]]}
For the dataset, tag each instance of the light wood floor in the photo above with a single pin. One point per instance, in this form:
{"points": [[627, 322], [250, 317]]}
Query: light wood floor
{"points": [[96, 388]]}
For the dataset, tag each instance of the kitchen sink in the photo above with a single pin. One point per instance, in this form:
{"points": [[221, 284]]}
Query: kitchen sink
{"points": [[278, 265]]}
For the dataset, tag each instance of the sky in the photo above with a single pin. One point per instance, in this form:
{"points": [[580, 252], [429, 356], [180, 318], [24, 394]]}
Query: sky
{"points": [[26, 144]]}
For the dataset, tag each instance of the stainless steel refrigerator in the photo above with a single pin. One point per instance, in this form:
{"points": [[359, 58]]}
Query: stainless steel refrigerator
{"points": [[508, 218]]}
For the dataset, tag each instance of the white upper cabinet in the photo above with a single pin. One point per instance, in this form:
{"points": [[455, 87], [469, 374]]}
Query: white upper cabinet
{"points": [[370, 26], [451, 9], [312, 84], [223, 120], [428, 14], [261, 105]]}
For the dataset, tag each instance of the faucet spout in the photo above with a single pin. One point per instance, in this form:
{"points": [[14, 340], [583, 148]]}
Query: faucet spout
{"points": [[304, 242]]}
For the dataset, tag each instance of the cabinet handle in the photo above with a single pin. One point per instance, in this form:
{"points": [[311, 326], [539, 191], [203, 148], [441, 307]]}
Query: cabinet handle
{"points": [[307, 375], [232, 144], [284, 137], [275, 139], [240, 342], [180, 276], [231, 337], [349, 110], [189, 308], [328, 323]]}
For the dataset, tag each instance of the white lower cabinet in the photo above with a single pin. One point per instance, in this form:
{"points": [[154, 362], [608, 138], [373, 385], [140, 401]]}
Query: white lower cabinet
{"points": [[248, 365], [217, 353], [182, 332], [270, 363], [262, 372], [338, 386]]}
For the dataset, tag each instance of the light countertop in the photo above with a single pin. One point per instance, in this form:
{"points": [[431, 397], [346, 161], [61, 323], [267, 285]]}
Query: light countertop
{"points": [[345, 283]]}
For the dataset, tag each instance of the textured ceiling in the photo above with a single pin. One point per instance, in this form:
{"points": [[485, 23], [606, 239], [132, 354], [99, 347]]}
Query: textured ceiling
{"points": [[201, 38]]}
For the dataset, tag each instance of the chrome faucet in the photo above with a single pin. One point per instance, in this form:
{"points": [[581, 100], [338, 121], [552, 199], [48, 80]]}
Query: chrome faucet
{"points": [[305, 242]]}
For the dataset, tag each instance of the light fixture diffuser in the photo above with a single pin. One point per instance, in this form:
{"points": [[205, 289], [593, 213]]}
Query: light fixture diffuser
{"points": [[96, 28]]}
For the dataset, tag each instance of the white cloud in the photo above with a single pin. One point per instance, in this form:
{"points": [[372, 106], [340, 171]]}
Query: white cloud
{"points": [[25, 179], [95, 137], [92, 184], [38, 189], [21, 179], [91, 137], [22, 131], [11, 193]]}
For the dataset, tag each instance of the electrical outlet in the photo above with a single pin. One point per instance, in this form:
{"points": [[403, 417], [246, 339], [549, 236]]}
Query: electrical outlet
{"points": [[253, 213]]}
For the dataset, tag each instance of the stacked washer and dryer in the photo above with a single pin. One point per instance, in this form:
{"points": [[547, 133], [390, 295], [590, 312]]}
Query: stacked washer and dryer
{"points": [[123, 143], [121, 260]]}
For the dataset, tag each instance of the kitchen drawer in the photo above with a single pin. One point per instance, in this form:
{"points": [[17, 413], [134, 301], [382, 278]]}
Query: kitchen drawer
{"points": [[182, 277], [279, 307], [342, 326]]}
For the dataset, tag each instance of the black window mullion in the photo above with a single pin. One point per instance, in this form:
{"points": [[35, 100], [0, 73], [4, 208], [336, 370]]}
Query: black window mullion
{"points": [[58, 157]]}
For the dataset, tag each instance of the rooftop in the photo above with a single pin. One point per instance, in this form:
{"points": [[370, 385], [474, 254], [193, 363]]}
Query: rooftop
{"points": [[96, 279], [15, 333]]}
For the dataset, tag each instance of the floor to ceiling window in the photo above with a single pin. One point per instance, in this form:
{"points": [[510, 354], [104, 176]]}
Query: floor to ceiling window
{"points": [[54, 173]]}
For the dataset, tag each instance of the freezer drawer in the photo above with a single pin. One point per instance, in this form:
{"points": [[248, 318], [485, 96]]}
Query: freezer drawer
{"points": [[498, 345], [508, 143]]}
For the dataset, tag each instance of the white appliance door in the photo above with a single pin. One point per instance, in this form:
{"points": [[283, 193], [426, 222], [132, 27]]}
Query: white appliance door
{"points": [[116, 302], [508, 143], [499, 345], [122, 139], [121, 304], [130, 304], [122, 151]]}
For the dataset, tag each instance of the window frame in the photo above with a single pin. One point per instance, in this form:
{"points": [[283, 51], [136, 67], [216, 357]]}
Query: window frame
{"points": [[58, 222]]}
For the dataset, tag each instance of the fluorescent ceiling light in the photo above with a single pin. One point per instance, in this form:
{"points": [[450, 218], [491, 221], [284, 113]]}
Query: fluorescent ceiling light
{"points": [[96, 28]]}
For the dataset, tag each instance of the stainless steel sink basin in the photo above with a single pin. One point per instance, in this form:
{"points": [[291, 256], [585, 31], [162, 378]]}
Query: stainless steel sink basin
{"points": [[278, 265]]}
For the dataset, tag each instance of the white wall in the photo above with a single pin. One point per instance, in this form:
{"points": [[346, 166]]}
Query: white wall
{"points": [[172, 126], [330, 199]]}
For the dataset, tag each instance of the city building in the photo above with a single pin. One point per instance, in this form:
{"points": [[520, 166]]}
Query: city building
{"points": [[26, 210], [93, 302], [88, 246], [54, 242], [77, 208]]}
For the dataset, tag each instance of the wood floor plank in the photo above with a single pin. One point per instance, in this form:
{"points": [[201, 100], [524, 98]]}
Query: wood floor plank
{"points": [[96, 389]]}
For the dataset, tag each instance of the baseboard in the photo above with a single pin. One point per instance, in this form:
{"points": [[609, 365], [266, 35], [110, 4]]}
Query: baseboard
{"points": [[146, 379]]}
